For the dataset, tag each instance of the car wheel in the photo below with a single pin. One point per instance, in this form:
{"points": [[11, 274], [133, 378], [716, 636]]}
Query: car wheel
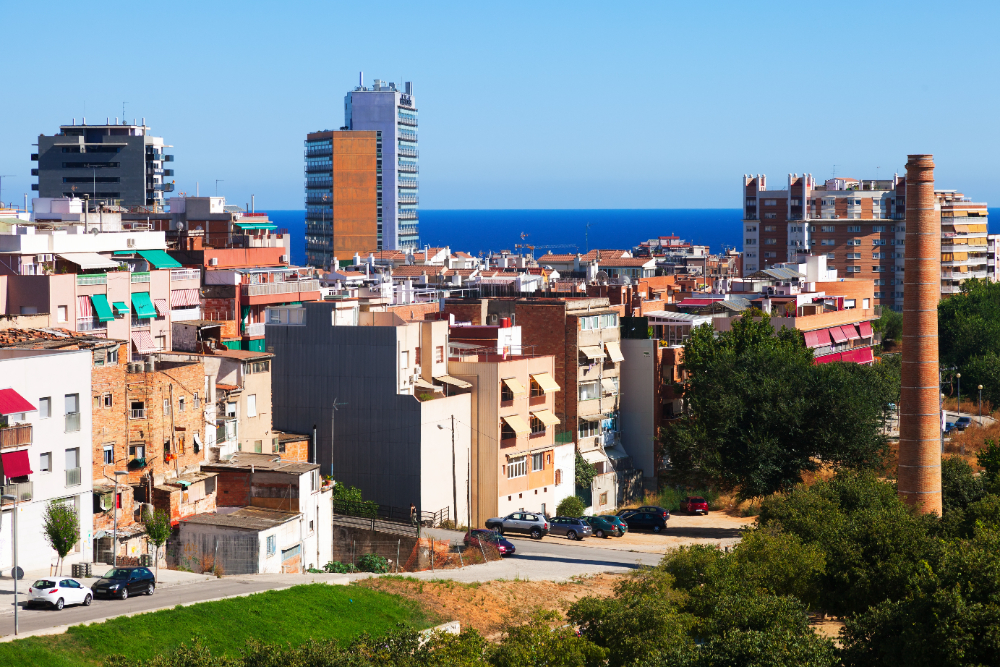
{"points": [[599, 533], [499, 530], [124, 594], [87, 600], [59, 604], [571, 536], [536, 534], [149, 589], [657, 529]]}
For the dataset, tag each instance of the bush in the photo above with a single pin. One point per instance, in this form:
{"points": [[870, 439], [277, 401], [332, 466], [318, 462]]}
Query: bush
{"points": [[336, 567], [960, 486], [571, 506], [373, 563]]}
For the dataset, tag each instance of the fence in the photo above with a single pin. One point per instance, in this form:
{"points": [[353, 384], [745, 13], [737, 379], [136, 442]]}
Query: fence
{"points": [[417, 555], [215, 554], [371, 510]]}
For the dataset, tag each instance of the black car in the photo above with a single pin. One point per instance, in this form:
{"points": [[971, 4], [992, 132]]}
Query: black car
{"points": [[121, 582], [478, 538], [640, 520], [655, 510]]}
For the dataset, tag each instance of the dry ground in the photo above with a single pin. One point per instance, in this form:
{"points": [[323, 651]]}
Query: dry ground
{"points": [[717, 528]]}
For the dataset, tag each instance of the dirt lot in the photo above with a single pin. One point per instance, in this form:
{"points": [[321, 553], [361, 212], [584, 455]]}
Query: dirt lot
{"points": [[715, 528], [488, 606]]}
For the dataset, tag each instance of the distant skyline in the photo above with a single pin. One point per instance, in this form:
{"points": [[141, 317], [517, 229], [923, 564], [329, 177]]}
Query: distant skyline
{"points": [[561, 105]]}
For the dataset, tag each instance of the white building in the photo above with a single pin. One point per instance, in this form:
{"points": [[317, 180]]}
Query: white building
{"points": [[45, 449]]}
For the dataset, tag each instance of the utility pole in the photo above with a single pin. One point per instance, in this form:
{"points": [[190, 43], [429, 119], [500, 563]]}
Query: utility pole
{"points": [[217, 181], [333, 411], [454, 474], [14, 572]]}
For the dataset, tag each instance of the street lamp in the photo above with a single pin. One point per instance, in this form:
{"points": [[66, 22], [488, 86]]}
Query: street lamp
{"points": [[959, 377], [14, 573], [944, 419], [980, 405], [114, 505]]}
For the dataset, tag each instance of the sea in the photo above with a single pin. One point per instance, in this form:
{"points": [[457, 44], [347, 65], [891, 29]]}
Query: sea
{"points": [[572, 230]]}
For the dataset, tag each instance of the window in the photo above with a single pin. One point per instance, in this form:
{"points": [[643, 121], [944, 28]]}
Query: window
{"points": [[111, 357], [877, 269], [230, 409], [506, 432], [62, 314], [829, 229], [878, 282], [506, 394], [252, 405], [751, 241], [517, 467], [166, 407], [109, 454], [72, 458], [604, 498], [45, 462], [278, 446], [770, 202], [878, 242], [751, 202], [258, 367], [107, 400], [770, 241], [589, 390], [849, 304], [72, 403], [827, 242], [854, 255], [831, 255], [769, 228], [537, 462], [536, 389], [589, 428], [854, 228], [866, 303], [161, 342], [588, 323], [854, 242], [180, 404], [853, 269], [258, 446], [45, 407], [751, 228], [878, 228], [558, 477], [537, 426], [439, 354], [878, 255], [197, 401], [770, 216], [404, 359], [314, 480], [137, 451], [272, 545]]}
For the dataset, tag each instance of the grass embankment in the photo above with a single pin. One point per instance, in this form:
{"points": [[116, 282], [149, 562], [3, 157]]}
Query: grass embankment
{"points": [[315, 611]]}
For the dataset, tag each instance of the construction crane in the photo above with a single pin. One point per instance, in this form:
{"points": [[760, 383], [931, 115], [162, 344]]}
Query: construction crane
{"points": [[532, 248]]}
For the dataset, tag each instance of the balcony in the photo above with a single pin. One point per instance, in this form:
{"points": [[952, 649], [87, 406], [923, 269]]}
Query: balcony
{"points": [[92, 279], [407, 183], [90, 324], [406, 120], [163, 187], [137, 413], [140, 277], [23, 491], [312, 182], [319, 151], [407, 199], [15, 436], [253, 329], [73, 476], [72, 422], [185, 274], [406, 215], [407, 152], [286, 287], [406, 168]]}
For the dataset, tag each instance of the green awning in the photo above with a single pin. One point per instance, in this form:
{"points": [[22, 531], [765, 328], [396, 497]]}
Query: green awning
{"points": [[257, 225], [101, 307], [142, 306], [124, 252], [160, 259], [121, 307]]}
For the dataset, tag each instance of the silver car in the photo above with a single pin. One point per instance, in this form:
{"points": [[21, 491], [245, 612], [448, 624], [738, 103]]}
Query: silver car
{"points": [[572, 527], [528, 523]]}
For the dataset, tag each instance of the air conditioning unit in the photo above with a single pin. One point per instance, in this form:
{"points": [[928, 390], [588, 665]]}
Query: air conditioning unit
{"points": [[284, 259], [214, 261], [130, 243], [44, 258]]}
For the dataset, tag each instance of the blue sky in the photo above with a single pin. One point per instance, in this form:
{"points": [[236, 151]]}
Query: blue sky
{"points": [[524, 105]]}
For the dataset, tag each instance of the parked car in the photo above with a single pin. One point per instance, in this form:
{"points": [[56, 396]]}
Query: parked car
{"points": [[477, 537], [121, 582], [949, 427], [572, 527], [656, 510], [621, 514], [963, 423], [602, 527], [528, 523], [694, 505], [58, 593], [617, 520], [653, 521]]}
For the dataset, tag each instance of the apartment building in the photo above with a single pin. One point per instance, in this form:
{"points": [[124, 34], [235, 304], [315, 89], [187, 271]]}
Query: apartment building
{"points": [[343, 194], [116, 163], [94, 274], [393, 113], [45, 449], [517, 462], [859, 225], [377, 393]]}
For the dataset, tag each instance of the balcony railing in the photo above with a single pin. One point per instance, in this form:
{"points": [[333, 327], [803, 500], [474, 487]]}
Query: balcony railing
{"points": [[90, 324], [318, 151], [91, 279], [407, 199], [73, 476], [23, 491], [407, 152], [140, 277], [72, 422], [253, 329], [287, 287], [404, 120], [185, 274], [15, 436], [137, 413], [407, 168]]}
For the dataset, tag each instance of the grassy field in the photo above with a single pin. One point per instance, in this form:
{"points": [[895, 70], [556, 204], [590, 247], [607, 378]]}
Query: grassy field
{"points": [[295, 615]]}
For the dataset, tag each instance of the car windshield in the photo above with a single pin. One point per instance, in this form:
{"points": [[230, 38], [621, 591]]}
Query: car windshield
{"points": [[697, 500], [44, 583], [117, 574]]}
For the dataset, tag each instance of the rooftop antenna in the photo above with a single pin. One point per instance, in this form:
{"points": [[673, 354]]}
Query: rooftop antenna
{"points": [[123, 112], [586, 235], [3, 176], [333, 412], [217, 181]]}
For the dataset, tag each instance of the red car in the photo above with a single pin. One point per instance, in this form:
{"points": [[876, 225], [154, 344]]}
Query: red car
{"points": [[694, 505]]}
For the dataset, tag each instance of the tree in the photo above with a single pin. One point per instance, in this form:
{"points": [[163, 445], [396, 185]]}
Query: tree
{"points": [[989, 459], [760, 413], [585, 472], [960, 486], [570, 506], [62, 528], [890, 325], [969, 335], [158, 530]]}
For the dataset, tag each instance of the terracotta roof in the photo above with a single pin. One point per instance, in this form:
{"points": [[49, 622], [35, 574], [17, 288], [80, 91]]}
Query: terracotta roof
{"points": [[226, 387], [552, 257], [627, 261], [463, 255], [418, 270]]}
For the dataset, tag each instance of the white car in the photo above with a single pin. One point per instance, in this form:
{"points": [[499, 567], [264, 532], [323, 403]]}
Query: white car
{"points": [[59, 592]]}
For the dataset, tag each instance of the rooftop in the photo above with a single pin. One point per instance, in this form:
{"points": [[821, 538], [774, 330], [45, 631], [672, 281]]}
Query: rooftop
{"points": [[254, 461], [53, 339], [247, 518]]}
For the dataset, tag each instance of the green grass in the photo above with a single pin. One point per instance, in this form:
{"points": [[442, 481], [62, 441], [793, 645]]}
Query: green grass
{"points": [[313, 611]]}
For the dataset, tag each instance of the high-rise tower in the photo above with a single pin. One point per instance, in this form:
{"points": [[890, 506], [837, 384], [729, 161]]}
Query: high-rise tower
{"points": [[919, 472], [393, 113]]}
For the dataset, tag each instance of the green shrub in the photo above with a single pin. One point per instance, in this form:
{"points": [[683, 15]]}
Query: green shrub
{"points": [[373, 563], [336, 567], [571, 506]]}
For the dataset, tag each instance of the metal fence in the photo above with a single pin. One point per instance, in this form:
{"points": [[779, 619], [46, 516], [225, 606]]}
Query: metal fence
{"points": [[371, 510], [214, 554], [418, 555]]}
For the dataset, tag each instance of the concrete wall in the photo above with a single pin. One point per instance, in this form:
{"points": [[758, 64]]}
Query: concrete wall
{"points": [[437, 483], [638, 406]]}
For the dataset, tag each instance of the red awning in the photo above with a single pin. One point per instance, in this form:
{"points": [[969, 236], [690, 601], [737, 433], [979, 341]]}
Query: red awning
{"points": [[866, 329], [825, 359], [143, 342], [818, 338], [16, 464], [12, 403], [83, 309], [851, 331], [161, 307], [838, 335], [864, 356]]}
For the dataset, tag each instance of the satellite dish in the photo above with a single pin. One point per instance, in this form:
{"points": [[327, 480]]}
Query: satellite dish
{"points": [[602, 277], [95, 231]]}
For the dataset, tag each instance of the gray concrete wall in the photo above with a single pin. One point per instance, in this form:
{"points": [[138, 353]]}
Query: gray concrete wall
{"points": [[638, 408]]}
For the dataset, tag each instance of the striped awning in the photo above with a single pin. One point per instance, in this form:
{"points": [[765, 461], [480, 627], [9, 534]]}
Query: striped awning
{"points": [[143, 342], [866, 329], [181, 298], [838, 335], [83, 308], [818, 338], [161, 307]]}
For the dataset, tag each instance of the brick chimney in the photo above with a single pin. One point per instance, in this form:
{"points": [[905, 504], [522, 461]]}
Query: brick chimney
{"points": [[919, 472]]}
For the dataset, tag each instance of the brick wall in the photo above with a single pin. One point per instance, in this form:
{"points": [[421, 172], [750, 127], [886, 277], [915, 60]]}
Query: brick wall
{"points": [[233, 489], [417, 311], [467, 312], [545, 327], [295, 450]]}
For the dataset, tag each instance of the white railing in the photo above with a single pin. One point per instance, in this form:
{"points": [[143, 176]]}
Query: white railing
{"points": [[20, 490], [286, 287], [92, 279], [253, 329], [137, 413], [185, 274], [141, 277]]}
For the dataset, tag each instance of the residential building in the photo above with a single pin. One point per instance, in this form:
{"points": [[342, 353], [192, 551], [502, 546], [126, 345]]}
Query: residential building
{"points": [[992, 250], [860, 227], [244, 387], [116, 163], [343, 194], [375, 395], [393, 113], [45, 449], [517, 462]]}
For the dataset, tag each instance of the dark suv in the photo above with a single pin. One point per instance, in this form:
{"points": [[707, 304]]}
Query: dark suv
{"points": [[642, 520], [529, 523], [121, 582]]}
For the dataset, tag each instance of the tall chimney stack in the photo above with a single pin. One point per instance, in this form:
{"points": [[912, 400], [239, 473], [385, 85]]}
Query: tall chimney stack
{"points": [[919, 472]]}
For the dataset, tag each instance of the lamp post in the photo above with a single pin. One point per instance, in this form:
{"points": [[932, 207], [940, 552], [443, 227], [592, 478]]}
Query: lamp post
{"points": [[958, 376], [980, 405], [944, 419], [14, 573], [114, 508]]}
